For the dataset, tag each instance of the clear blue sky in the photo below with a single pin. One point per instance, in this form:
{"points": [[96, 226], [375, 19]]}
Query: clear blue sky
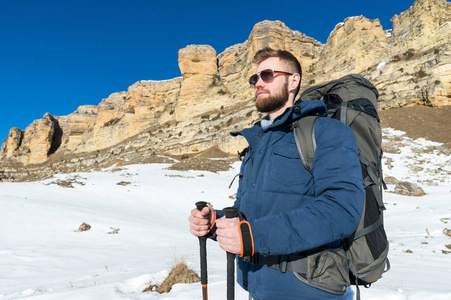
{"points": [[56, 55]]}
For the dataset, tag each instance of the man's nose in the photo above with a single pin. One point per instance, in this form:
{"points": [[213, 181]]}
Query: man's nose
{"points": [[259, 83]]}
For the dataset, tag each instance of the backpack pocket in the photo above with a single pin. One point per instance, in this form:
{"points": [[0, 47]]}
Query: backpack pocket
{"points": [[327, 270]]}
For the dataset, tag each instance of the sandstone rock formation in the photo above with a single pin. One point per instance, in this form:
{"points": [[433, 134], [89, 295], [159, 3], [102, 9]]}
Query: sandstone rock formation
{"points": [[410, 65], [201, 87], [78, 123], [37, 141], [353, 46], [416, 65], [13, 142]]}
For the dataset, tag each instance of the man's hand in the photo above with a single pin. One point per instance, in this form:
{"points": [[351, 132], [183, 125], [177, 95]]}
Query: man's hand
{"points": [[229, 235], [201, 221]]}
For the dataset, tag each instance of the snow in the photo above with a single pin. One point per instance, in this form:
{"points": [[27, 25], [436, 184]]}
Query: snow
{"points": [[381, 65], [158, 81], [336, 27], [43, 257]]}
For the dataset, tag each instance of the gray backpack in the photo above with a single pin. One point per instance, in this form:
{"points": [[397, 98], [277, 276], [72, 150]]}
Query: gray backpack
{"points": [[353, 100]]}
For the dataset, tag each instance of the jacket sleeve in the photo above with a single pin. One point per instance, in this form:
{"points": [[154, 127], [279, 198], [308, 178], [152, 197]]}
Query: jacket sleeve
{"points": [[335, 211]]}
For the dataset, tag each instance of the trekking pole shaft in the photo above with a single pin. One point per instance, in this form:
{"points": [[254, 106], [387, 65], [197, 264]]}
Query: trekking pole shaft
{"points": [[203, 257], [203, 264], [230, 276], [230, 212]]}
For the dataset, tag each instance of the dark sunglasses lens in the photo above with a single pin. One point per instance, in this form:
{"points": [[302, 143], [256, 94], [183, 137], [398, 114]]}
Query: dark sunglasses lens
{"points": [[267, 75], [253, 80]]}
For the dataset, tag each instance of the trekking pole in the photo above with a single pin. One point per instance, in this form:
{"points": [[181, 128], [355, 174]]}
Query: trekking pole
{"points": [[230, 212], [203, 256]]}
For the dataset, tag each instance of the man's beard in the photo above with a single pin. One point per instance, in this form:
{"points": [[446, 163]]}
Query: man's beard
{"points": [[273, 102]]}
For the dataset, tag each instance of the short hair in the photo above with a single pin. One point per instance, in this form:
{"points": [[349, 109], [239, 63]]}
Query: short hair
{"points": [[283, 55]]}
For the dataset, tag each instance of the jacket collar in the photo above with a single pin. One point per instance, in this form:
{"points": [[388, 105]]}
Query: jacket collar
{"points": [[305, 108], [291, 114]]}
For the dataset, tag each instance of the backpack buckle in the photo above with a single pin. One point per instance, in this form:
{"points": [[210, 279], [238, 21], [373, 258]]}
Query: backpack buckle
{"points": [[253, 259], [283, 263]]}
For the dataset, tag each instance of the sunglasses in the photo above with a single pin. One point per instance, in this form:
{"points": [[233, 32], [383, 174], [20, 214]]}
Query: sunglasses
{"points": [[267, 76]]}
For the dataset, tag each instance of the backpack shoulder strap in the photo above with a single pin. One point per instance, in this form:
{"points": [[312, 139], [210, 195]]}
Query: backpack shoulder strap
{"points": [[304, 135]]}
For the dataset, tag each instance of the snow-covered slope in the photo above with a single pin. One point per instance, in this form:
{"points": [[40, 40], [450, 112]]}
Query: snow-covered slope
{"points": [[43, 257]]}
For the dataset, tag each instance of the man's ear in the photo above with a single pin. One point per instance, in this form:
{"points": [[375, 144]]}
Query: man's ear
{"points": [[295, 81]]}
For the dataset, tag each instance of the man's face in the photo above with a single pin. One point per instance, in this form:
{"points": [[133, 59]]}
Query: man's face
{"points": [[271, 96]]}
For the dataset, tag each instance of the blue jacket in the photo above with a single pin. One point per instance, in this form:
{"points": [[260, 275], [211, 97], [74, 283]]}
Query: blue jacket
{"points": [[291, 211]]}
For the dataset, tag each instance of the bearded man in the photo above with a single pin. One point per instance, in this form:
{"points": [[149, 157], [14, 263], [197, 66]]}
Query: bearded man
{"points": [[291, 214]]}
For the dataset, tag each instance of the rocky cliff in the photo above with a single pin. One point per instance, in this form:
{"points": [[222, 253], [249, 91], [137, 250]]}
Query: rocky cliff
{"points": [[410, 65]]}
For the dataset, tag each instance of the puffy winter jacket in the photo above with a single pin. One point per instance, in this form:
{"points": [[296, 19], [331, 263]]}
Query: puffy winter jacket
{"points": [[289, 210]]}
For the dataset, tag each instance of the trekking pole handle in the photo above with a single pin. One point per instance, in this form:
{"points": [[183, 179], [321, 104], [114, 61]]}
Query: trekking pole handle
{"points": [[203, 256], [230, 213], [200, 205]]}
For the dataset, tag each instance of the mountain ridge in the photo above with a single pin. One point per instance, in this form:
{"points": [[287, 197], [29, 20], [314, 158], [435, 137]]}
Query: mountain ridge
{"points": [[410, 65]]}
